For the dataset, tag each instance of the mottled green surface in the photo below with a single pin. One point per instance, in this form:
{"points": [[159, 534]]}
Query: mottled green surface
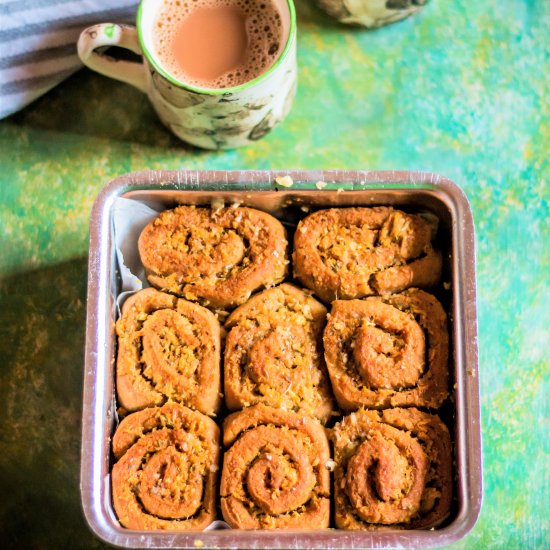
{"points": [[458, 89]]}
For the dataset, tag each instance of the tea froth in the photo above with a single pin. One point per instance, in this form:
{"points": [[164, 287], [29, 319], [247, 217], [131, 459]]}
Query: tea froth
{"points": [[217, 43]]}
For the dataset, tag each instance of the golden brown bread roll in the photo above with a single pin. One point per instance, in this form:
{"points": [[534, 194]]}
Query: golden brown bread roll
{"points": [[168, 349], [344, 253], [275, 473], [166, 469], [388, 351], [393, 467], [216, 257], [273, 353]]}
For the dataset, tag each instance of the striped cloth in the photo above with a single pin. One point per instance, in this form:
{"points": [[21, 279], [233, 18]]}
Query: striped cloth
{"points": [[38, 43]]}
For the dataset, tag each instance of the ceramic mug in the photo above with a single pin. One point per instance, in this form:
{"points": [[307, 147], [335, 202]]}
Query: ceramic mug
{"points": [[217, 118], [371, 13]]}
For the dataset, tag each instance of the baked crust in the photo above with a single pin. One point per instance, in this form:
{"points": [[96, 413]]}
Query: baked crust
{"points": [[217, 257], [346, 253], [165, 476], [275, 471], [393, 468], [273, 353], [388, 351], [168, 349]]}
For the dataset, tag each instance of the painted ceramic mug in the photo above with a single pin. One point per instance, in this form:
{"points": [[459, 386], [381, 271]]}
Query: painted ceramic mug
{"points": [[216, 118], [371, 13]]}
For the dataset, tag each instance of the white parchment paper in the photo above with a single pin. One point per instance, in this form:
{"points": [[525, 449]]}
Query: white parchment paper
{"points": [[130, 218]]}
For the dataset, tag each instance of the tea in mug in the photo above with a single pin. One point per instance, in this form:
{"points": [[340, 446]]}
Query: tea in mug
{"points": [[218, 43]]}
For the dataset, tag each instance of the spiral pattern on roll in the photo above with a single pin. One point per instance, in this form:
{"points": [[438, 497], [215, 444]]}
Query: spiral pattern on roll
{"points": [[388, 351], [393, 467], [217, 257], [165, 474], [355, 252], [168, 349], [275, 472], [273, 353]]}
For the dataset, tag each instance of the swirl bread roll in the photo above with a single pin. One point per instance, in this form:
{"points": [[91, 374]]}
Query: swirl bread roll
{"points": [[273, 353], [345, 253], [216, 257], [388, 351], [275, 472], [168, 349], [166, 469], [393, 468]]}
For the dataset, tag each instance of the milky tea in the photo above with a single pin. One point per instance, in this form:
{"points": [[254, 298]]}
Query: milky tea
{"points": [[218, 43]]}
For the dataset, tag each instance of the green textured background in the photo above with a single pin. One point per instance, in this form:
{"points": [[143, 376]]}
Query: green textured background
{"points": [[459, 89]]}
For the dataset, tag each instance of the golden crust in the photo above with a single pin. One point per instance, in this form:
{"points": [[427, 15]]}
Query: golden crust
{"points": [[168, 349], [275, 473], [273, 353], [166, 473], [344, 253], [217, 257], [393, 468], [388, 351]]}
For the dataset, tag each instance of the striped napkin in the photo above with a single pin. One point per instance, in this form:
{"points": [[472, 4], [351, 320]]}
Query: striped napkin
{"points": [[38, 43]]}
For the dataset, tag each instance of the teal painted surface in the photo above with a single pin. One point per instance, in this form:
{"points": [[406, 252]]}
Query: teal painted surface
{"points": [[460, 89]]}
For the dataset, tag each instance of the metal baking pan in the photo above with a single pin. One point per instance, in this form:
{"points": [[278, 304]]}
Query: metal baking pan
{"points": [[411, 191]]}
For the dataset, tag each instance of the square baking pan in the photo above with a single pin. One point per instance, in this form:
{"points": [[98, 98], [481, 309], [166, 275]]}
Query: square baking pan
{"points": [[410, 191]]}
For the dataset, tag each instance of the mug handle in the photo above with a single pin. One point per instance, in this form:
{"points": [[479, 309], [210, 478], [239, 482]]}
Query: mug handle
{"points": [[110, 34]]}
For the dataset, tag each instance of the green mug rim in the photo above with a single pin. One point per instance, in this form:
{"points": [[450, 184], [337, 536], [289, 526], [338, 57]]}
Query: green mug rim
{"points": [[218, 91]]}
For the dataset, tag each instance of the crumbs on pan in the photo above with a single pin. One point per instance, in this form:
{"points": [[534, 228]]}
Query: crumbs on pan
{"points": [[217, 204], [284, 181]]}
